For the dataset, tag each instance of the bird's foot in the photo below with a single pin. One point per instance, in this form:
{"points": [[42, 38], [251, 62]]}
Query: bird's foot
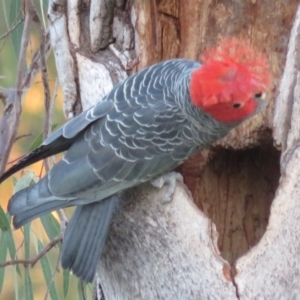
{"points": [[170, 180]]}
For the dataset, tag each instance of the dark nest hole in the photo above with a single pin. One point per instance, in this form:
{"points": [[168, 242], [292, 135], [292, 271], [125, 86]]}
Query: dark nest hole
{"points": [[235, 189]]}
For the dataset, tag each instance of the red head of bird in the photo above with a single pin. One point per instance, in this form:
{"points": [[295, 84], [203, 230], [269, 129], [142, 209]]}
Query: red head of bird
{"points": [[231, 82]]}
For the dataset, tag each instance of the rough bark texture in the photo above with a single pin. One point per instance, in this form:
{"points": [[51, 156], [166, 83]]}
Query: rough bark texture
{"points": [[234, 187], [148, 256], [157, 251]]}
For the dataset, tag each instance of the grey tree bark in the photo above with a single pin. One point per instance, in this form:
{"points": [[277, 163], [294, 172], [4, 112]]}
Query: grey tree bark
{"points": [[175, 250]]}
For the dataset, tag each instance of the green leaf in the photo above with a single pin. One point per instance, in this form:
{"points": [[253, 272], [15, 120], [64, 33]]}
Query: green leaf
{"points": [[11, 244], [51, 226], [48, 274], [3, 253], [15, 180], [43, 9], [35, 241], [39, 139], [81, 289], [6, 5], [4, 223], [12, 248], [66, 282], [25, 181], [16, 284], [46, 4], [15, 15], [28, 286], [27, 240]]}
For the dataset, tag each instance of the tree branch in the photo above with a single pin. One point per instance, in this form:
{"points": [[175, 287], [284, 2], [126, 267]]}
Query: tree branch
{"points": [[9, 123], [65, 64], [33, 261], [101, 20], [11, 29], [52, 279], [10, 120], [284, 114], [23, 136], [45, 79]]}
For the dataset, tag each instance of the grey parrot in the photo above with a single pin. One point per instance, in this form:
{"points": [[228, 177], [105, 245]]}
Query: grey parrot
{"points": [[146, 126]]}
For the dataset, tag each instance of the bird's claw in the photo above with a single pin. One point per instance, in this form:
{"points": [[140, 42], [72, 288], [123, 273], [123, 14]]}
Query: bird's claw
{"points": [[168, 179]]}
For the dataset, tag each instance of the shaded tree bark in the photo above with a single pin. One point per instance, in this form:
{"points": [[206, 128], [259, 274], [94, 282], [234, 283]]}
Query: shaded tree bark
{"points": [[172, 251]]}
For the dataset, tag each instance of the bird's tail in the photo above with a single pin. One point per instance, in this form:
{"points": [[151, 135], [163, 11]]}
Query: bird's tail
{"points": [[85, 236], [86, 232], [34, 201]]}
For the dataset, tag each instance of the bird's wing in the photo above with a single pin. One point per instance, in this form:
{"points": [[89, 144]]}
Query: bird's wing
{"points": [[144, 135], [112, 155], [63, 138]]}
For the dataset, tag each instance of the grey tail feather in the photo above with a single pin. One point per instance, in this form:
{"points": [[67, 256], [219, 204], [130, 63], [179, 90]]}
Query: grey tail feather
{"points": [[34, 201], [85, 237], [26, 216]]}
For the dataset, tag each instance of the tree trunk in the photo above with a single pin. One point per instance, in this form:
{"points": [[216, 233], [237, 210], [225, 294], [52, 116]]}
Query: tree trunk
{"points": [[175, 250]]}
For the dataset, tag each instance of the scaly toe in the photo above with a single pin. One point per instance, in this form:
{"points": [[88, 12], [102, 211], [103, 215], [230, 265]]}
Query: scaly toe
{"points": [[170, 180]]}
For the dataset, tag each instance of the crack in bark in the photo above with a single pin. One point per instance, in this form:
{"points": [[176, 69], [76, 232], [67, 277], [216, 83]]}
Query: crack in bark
{"points": [[76, 107], [232, 274]]}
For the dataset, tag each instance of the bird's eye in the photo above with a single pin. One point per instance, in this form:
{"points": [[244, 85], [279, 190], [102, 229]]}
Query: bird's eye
{"points": [[260, 95], [236, 105]]}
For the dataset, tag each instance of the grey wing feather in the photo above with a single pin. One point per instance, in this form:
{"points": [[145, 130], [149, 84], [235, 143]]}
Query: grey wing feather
{"points": [[125, 143], [79, 123], [113, 149], [62, 139]]}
